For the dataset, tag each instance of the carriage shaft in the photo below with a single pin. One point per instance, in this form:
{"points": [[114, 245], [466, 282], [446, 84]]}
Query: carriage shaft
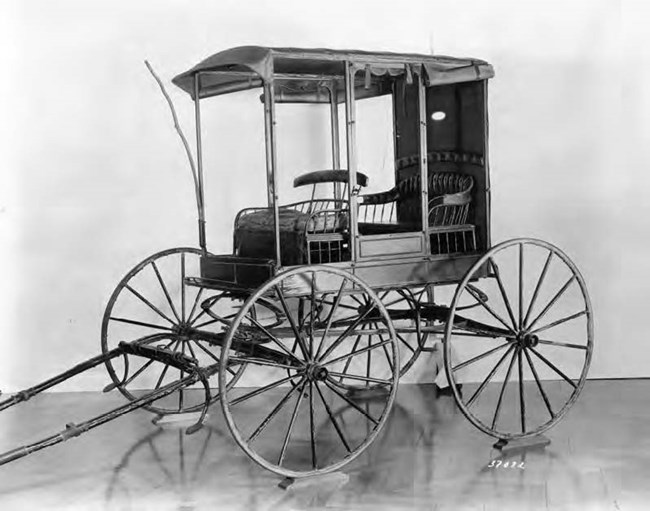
{"points": [[73, 430], [27, 394]]}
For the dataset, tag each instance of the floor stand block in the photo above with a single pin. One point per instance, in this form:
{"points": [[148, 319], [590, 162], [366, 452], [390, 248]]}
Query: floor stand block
{"points": [[336, 479], [522, 444], [178, 420]]}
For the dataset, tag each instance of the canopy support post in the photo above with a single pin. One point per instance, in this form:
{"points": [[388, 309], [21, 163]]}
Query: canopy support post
{"points": [[269, 138], [350, 115], [199, 164], [424, 167], [336, 147]]}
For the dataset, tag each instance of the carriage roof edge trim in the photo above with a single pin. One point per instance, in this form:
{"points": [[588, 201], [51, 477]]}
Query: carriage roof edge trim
{"points": [[246, 67]]}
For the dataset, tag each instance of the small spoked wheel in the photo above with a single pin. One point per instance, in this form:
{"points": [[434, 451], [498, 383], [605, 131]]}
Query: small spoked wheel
{"points": [[281, 413], [518, 359], [155, 298]]}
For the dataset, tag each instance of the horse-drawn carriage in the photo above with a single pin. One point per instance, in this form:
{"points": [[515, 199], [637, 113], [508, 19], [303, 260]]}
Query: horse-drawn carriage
{"points": [[303, 330]]}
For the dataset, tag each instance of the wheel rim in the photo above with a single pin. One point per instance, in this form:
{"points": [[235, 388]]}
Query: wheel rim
{"points": [[522, 356], [274, 422], [154, 298]]}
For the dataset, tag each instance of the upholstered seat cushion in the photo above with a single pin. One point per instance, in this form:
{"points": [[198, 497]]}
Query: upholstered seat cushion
{"points": [[254, 235]]}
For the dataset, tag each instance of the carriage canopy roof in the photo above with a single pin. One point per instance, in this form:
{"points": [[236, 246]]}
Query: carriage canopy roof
{"points": [[245, 67]]}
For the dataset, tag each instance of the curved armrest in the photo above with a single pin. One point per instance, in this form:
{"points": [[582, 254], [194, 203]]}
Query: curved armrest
{"points": [[328, 176], [381, 197]]}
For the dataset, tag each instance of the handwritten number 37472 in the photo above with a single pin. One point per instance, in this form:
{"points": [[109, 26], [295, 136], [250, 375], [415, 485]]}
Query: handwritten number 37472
{"points": [[506, 464]]}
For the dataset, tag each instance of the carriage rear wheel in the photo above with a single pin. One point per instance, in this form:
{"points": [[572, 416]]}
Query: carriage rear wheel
{"points": [[155, 298], [517, 361], [281, 411]]}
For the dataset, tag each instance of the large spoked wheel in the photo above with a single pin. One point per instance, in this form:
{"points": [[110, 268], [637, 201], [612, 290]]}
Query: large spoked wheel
{"points": [[154, 298], [281, 412], [518, 360]]}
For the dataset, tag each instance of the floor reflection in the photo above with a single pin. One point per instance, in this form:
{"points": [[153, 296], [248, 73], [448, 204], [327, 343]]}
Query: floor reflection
{"points": [[427, 457]]}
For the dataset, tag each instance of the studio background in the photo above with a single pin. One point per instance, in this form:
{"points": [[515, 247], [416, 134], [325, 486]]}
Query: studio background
{"points": [[94, 178]]}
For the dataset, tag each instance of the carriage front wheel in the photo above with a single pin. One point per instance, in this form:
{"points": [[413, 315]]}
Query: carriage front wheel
{"points": [[155, 304], [518, 359], [322, 356]]}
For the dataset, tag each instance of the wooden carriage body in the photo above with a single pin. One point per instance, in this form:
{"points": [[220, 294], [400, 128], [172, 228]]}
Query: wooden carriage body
{"points": [[429, 228]]}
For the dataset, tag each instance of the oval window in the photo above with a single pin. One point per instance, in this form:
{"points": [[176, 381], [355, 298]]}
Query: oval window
{"points": [[438, 116]]}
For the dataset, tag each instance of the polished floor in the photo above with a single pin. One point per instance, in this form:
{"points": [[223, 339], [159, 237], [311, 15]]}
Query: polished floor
{"points": [[428, 457]]}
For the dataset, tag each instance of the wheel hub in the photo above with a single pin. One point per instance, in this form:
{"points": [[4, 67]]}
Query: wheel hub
{"points": [[526, 340], [182, 330], [316, 372]]}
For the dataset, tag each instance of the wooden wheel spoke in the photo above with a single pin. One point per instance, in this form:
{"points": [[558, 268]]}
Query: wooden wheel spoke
{"points": [[192, 352], [332, 419], [330, 317], [272, 414], [139, 323], [489, 377], [483, 303], [351, 403], [181, 396], [291, 423], [563, 344], [165, 290], [208, 352], [479, 357], [559, 322], [198, 316], [356, 299], [473, 334], [502, 392], [522, 401], [388, 358], [368, 356], [287, 313], [361, 378], [138, 372], [164, 370], [236, 360], [552, 366], [404, 342], [354, 353], [206, 323], [539, 385], [183, 286], [261, 390], [538, 286], [312, 428], [520, 324], [349, 329], [502, 290], [149, 304], [272, 337], [312, 314], [354, 347], [197, 298], [552, 302]]}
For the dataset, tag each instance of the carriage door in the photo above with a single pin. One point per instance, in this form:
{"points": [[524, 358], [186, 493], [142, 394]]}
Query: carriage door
{"points": [[389, 226]]}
